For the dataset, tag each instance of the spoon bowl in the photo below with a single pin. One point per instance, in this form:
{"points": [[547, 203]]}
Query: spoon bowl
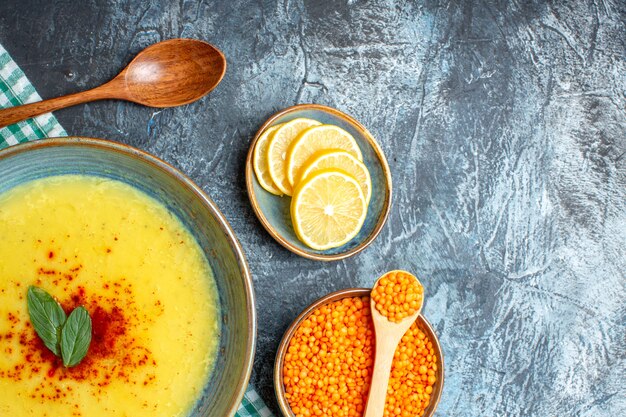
{"points": [[172, 73], [166, 74]]}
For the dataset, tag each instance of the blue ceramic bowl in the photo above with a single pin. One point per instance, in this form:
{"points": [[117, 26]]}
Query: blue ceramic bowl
{"points": [[274, 211], [226, 385]]}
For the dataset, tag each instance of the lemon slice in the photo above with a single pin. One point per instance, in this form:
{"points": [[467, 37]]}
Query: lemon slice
{"points": [[277, 150], [336, 158], [328, 209], [259, 161], [315, 139]]}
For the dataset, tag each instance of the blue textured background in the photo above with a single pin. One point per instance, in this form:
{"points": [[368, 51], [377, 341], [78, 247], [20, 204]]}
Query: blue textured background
{"points": [[503, 123]]}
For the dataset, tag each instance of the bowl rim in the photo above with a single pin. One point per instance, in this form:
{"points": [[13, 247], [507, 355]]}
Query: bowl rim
{"points": [[184, 181], [279, 389], [382, 219]]}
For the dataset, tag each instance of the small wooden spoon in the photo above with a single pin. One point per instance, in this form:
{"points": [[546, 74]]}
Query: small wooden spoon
{"points": [[388, 336], [166, 74]]}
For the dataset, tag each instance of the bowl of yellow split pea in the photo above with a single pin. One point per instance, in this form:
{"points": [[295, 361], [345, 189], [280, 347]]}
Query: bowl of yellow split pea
{"points": [[324, 362]]}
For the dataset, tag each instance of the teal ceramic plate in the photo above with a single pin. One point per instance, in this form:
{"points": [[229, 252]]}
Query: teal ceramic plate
{"points": [[273, 211], [226, 385]]}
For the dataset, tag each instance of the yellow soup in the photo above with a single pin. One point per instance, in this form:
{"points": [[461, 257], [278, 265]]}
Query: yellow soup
{"points": [[144, 280]]}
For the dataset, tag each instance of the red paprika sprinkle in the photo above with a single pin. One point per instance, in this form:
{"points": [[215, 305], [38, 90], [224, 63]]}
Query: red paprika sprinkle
{"points": [[114, 352]]}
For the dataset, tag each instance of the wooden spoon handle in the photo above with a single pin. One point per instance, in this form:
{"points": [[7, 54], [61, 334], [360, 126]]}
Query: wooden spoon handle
{"points": [[380, 376], [26, 111]]}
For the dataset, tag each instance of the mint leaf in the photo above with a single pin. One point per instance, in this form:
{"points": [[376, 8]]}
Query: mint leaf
{"points": [[47, 318], [67, 337], [75, 337]]}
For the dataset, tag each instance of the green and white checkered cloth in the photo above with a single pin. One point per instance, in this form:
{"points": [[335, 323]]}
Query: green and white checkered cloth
{"points": [[15, 89]]}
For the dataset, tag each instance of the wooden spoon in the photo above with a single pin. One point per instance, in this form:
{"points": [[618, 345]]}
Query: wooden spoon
{"points": [[166, 74], [388, 336]]}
